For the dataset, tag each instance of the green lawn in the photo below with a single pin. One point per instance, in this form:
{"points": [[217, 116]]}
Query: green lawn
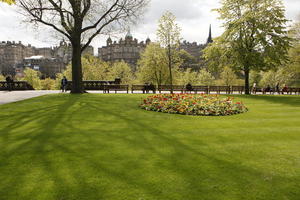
{"points": [[103, 147]]}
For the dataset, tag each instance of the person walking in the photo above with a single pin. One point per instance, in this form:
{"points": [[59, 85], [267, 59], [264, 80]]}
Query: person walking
{"points": [[277, 88], [253, 88], [9, 82], [64, 84]]}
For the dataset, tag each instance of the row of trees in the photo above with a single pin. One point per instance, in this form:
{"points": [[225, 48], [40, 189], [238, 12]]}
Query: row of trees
{"points": [[255, 39], [96, 69]]}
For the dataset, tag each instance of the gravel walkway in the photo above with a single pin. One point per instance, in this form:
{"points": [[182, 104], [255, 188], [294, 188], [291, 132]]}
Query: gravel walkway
{"points": [[14, 96]]}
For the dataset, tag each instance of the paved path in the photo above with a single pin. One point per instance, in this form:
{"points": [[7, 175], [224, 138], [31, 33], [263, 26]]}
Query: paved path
{"points": [[9, 97]]}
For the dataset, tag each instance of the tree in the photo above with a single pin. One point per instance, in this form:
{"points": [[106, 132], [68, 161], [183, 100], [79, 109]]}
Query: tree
{"points": [[92, 69], [187, 76], [153, 65], [168, 34], [187, 59], [215, 57], [48, 84], [8, 1], [123, 71], [33, 78], [80, 21], [2, 78], [255, 36], [228, 76], [205, 77]]}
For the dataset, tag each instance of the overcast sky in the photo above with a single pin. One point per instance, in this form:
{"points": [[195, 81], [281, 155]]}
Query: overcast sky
{"points": [[194, 17]]}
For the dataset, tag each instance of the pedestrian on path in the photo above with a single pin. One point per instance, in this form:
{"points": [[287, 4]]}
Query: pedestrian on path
{"points": [[277, 88], [9, 82], [254, 88], [64, 84]]}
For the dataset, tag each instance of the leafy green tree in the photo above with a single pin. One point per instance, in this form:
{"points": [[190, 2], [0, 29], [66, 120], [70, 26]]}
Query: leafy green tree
{"points": [[168, 34], [228, 76], [80, 21], [186, 76], [48, 84], [123, 71], [153, 65], [292, 69], [33, 78], [2, 78], [205, 77], [187, 59], [8, 1], [92, 69], [255, 36], [255, 77], [216, 57]]}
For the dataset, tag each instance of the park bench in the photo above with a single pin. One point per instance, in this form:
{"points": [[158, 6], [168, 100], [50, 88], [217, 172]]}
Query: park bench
{"points": [[256, 90], [16, 85], [294, 90], [219, 89], [143, 88], [116, 88], [270, 91], [176, 88], [199, 88], [239, 89]]}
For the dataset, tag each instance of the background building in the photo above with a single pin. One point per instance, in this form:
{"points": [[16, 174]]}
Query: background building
{"points": [[15, 57], [128, 50], [48, 67]]}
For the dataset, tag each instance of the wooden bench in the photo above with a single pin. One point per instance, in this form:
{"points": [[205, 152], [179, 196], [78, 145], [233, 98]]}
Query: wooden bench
{"points": [[239, 89], [178, 88], [116, 88], [143, 88], [199, 88], [219, 89], [292, 90]]}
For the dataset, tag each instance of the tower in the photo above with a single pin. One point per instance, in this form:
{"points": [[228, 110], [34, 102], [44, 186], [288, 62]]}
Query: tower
{"points": [[108, 41], [209, 39]]}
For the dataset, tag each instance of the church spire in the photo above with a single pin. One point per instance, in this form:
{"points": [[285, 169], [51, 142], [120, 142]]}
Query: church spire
{"points": [[209, 39]]}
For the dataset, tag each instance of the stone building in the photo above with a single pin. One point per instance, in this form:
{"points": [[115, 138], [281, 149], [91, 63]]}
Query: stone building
{"points": [[12, 53], [12, 56], [127, 49], [48, 67], [64, 51], [194, 48]]}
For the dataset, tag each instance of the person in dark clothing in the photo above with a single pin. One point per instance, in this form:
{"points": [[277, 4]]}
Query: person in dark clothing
{"points": [[9, 83], [277, 88], [285, 89], [189, 87], [64, 84], [267, 89]]}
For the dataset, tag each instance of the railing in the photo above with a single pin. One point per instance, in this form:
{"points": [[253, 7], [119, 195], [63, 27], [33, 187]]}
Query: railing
{"points": [[16, 85]]}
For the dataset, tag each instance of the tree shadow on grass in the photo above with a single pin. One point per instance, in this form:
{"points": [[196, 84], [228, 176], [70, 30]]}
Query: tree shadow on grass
{"points": [[86, 164]]}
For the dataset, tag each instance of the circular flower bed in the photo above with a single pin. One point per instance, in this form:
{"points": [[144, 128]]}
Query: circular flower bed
{"points": [[190, 104]]}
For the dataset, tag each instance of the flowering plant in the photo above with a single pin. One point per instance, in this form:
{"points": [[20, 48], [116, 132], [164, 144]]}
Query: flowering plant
{"points": [[191, 104]]}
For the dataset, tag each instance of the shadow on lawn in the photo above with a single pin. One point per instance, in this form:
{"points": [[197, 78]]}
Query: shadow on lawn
{"points": [[82, 165]]}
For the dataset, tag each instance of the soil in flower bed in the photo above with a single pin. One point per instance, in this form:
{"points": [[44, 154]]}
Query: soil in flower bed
{"points": [[193, 104]]}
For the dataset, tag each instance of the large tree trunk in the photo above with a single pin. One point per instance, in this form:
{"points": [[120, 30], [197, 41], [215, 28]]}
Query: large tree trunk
{"points": [[170, 68], [77, 86], [247, 85]]}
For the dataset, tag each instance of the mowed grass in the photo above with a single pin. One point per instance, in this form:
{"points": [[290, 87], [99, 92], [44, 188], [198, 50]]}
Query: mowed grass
{"points": [[103, 147]]}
